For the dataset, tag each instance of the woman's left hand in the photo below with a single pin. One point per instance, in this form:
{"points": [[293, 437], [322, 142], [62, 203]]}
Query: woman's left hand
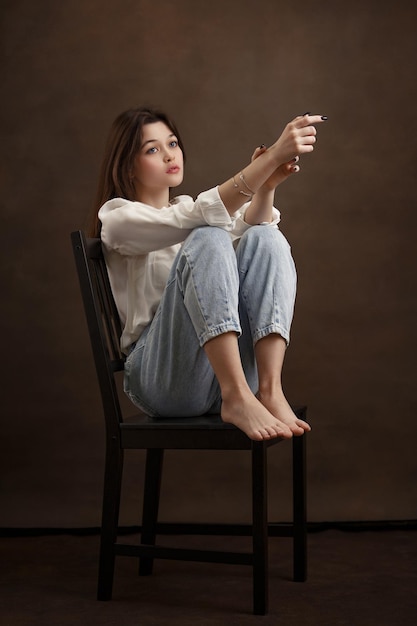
{"points": [[281, 173]]}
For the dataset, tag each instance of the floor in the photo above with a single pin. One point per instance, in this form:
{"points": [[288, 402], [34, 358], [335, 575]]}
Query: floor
{"points": [[366, 578]]}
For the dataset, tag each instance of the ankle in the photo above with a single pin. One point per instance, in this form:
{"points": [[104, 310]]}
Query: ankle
{"points": [[270, 388], [236, 392]]}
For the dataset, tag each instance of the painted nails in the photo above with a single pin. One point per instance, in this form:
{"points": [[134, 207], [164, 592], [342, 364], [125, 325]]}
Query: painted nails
{"points": [[323, 117]]}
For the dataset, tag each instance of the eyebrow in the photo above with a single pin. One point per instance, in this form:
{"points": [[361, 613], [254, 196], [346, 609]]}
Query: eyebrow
{"points": [[155, 140]]}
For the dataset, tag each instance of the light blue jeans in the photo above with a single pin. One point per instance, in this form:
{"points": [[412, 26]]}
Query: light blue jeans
{"points": [[213, 288]]}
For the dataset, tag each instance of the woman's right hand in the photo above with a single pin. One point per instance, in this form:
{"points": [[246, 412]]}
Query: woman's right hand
{"points": [[297, 138]]}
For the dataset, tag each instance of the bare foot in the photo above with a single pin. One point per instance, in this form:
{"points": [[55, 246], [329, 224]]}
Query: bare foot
{"points": [[248, 414], [278, 405]]}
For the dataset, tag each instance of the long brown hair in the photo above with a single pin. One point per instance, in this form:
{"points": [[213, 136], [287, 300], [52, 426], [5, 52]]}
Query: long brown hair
{"points": [[123, 143]]}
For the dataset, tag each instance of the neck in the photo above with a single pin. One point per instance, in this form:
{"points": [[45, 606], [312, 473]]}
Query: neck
{"points": [[155, 198], [158, 201]]}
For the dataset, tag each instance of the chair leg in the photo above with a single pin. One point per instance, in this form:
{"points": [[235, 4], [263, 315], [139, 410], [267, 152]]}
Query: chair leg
{"points": [[152, 489], [300, 508], [110, 518], [260, 528]]}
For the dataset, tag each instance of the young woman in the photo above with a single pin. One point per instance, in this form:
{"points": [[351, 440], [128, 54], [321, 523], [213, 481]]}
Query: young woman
{"points": [[205, 288]]}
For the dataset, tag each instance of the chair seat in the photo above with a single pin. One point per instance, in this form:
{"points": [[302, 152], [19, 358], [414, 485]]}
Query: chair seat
{"points": [[203, 432]]}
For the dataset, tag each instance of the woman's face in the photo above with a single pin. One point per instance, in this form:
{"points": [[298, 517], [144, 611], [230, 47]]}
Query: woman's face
{"points": [[159, 163]]}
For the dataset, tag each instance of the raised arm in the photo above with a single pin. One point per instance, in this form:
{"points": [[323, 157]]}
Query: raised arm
{"points": [[263, 174], [260, 208]]}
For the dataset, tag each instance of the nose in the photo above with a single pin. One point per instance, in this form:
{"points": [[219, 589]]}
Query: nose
{"points": [[169, 155]]}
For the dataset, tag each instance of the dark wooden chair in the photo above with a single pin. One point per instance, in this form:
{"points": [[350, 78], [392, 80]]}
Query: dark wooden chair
{"points": [[155, 436]]}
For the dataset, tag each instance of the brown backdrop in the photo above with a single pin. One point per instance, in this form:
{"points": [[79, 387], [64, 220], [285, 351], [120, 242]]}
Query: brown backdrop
{"points": [[232, 74]]}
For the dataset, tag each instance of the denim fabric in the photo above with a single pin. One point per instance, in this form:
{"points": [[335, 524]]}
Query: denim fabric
{"points": [[212, 289]]}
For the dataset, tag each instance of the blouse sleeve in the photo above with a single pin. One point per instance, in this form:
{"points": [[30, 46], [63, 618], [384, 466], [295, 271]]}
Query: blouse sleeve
{"points": [[135, 228]]}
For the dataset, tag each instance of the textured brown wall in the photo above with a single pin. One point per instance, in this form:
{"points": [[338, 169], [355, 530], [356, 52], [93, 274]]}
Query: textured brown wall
{"points": [[232, 74]]}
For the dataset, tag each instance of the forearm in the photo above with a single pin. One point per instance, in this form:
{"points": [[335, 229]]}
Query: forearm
{"points": [[245, 184], [260, 208]]}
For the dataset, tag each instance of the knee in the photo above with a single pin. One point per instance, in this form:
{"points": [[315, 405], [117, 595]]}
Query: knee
{"points": [[265, 237], [207, 241], [209, 235]]}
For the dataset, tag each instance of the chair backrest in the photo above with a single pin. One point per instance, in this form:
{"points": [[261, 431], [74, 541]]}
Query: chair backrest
{"points": [[103, 322]]}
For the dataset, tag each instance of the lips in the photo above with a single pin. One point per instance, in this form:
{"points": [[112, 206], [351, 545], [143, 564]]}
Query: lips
{"points": [[173, 170]]}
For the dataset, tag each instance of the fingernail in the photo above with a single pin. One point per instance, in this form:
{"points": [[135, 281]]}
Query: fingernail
{"points": [[262, 145], [324, 118], [308, 113]]}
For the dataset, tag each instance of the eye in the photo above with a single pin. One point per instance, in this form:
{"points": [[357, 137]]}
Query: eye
{"points": [[173, 143], [151, 150]]}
